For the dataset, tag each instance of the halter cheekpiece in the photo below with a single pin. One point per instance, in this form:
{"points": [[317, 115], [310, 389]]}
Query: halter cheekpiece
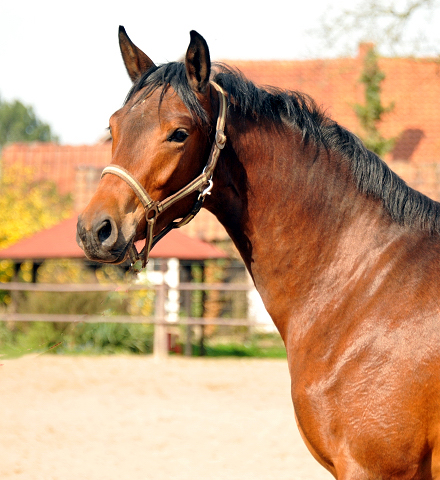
{"points": [[203, 183]]}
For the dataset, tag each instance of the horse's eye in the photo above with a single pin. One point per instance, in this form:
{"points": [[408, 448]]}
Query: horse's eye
{"points": [[178, 136]]}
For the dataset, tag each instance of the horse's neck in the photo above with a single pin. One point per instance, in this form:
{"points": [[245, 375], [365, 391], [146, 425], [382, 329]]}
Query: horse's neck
{"points": [[295, 218]]}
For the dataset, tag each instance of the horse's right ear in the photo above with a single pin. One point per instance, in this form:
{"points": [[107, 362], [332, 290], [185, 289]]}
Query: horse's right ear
{"points": [[135, 60]]}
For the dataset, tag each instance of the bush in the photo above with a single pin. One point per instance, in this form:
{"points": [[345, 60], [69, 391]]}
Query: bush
{"points": [[109, 338], [62, 337], [72, 338]]}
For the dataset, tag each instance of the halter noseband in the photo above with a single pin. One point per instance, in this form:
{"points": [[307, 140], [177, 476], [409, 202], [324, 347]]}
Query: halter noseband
{"points": [[203, 183]]}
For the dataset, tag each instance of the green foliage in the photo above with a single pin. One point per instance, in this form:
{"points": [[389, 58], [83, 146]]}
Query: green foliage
{"points": [[197, 295], [371, 113], [70, 271], [109, 338], [24, 338], [259, 345], [89, 338], [26, 207], [18, 123], [62, 337], [61, 271]]}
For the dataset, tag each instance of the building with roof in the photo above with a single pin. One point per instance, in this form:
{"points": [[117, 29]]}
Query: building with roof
{"points": [[59, 241]]}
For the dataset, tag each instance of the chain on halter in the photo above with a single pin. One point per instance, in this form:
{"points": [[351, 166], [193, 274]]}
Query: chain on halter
{"points": [[203, 183]]}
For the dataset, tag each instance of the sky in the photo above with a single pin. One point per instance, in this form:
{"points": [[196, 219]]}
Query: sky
{"points": [[63, 58]]}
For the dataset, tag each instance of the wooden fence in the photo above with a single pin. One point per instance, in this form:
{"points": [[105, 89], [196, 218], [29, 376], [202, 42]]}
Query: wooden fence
{"points": [[159, 320]]}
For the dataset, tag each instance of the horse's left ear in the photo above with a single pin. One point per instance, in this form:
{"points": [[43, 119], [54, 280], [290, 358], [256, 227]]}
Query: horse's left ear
{"points": [[198, 63]]}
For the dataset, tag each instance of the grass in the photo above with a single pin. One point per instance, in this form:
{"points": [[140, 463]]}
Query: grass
{"points": [[80, 338], [18, 339], [240, 350], [258, 345]]}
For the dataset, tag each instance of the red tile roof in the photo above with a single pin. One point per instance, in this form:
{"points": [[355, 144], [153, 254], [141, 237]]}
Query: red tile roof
{"points": [[412, 84], [60, 242], [55, 162]]}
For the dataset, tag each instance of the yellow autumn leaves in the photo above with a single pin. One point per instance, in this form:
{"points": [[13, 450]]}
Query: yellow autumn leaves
{"points": [[27, 206]]}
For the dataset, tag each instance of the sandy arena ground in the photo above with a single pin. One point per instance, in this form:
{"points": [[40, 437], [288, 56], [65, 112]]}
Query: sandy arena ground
{"points": [[121, 417]]}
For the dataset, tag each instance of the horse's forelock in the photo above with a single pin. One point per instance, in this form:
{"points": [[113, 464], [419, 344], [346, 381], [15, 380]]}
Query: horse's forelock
{"points": [[170, 75]]}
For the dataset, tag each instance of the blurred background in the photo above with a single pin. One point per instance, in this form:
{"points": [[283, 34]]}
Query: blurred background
{"points": [[372, 65], [83, 412]]}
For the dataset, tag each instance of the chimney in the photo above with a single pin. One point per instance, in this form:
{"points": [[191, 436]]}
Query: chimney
{"points": [[364, 48], [86, 181]]}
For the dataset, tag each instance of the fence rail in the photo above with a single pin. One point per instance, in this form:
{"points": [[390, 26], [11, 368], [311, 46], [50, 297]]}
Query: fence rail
{"points": [[159, 321], [108, 287], [71, 318]]}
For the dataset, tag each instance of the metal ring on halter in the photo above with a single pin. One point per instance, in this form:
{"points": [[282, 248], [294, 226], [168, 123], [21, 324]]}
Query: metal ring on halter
{"points": [[208, 189]]}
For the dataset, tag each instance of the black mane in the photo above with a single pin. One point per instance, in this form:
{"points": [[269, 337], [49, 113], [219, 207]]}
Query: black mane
{"points": [[372, 176]]}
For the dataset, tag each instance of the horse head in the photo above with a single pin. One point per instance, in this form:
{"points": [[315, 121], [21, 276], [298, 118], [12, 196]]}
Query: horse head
{"points": [[160, 153]]}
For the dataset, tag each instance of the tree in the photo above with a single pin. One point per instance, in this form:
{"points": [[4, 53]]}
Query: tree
{"points": [[371, 113], [18, 123], [27, 206], [395, 27]]}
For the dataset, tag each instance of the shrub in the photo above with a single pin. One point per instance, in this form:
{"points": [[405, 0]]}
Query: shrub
{"points": [[63, 337]]}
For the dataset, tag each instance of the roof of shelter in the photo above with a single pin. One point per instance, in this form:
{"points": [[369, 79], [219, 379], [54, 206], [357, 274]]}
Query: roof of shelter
{"points": [[60, 242]]}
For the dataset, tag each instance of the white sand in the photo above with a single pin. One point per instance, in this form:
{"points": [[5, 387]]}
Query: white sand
{"points": [[127, 417]]}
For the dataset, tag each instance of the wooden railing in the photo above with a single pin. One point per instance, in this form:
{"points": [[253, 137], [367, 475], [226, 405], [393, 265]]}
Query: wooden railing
{"points": [[159, 320]]}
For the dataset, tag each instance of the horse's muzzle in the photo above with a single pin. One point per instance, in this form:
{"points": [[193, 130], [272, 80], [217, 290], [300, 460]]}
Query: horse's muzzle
{"points": [[101, 239]]}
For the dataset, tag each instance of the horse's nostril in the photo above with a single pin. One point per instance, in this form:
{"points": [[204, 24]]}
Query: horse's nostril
{"points": [[107, 234], [105, 230]]}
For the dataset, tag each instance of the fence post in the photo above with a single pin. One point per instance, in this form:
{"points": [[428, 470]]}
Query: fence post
{"points": [[160, 346], [188, 328]]}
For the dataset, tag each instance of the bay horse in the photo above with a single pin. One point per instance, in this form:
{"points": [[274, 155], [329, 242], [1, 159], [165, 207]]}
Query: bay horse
{"points": [[345, 256]]}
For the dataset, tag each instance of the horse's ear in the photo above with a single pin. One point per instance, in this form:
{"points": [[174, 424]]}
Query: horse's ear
{"points": [[198, 63], [136, 62]]}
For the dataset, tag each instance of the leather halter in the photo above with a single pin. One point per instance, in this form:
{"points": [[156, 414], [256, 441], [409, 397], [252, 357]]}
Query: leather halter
{"points": [[203, 183]]}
